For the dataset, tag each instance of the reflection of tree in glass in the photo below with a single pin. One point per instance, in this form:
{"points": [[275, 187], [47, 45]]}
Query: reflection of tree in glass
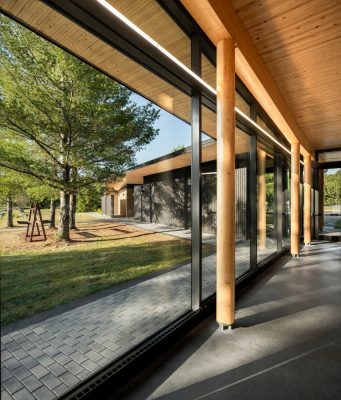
{"points": [[80, 126], [270, 189]]}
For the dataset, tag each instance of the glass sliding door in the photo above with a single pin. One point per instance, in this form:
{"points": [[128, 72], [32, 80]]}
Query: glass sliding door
{"points": [[125, 272], [266, 196], [242, 203], [209, 205], [286, 202], [208, 169]]}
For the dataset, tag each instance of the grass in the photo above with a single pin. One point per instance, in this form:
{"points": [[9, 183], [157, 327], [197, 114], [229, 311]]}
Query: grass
{"points": [[38, 276]]}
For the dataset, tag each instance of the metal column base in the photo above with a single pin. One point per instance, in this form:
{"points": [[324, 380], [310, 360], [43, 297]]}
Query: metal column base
{"points": [[307, 244], [225, 328], [295, 255]]}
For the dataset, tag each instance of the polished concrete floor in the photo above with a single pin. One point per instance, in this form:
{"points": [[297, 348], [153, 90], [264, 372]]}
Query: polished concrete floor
{"points": [[286, 343]]}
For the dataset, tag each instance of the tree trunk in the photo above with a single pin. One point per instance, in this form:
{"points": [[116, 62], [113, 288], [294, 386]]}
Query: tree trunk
{"points": [[64, 222], [9, 212], [73, 206], [52, 214]]}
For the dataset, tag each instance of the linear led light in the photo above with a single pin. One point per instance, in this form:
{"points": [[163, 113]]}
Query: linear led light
{"points": [[261, 129], [124, 19]]}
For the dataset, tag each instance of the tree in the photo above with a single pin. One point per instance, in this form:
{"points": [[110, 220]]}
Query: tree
{"points": [[11, 187], [89, 198], [81, 125], [332, 189]]}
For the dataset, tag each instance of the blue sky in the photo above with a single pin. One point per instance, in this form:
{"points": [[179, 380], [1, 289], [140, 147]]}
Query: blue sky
{"points": [[172, 133]]}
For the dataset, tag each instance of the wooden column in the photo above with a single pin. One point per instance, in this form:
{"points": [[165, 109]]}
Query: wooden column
{"points": [[225, 182], [261, 215], [307, 199], [295, 200]]}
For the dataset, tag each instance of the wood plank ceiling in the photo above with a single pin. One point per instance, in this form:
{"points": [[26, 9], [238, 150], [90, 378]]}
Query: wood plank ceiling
{"points": [[298, 40], [300, 43], [153, 20]]}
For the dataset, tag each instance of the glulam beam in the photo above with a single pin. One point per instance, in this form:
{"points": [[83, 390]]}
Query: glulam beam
{"points": [[218, 19]]}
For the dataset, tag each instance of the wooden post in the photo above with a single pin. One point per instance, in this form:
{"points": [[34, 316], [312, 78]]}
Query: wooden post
{"points": [[261, 199], [295, 200], [307, 199], [225, 182]]}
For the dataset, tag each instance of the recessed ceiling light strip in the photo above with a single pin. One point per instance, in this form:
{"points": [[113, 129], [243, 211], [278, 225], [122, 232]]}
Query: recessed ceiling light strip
{"points": [[261, 129], [124, 19]]}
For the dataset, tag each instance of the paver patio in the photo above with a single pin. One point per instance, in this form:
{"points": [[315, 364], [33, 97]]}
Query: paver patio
{"points": [[46, 359]]}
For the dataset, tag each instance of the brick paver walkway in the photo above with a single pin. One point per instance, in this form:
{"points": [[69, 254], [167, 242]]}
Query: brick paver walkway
{"points": [[46, 359]]}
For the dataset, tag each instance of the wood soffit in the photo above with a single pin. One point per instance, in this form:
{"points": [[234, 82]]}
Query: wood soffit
{"points": [[289, 53], [254, 59]]}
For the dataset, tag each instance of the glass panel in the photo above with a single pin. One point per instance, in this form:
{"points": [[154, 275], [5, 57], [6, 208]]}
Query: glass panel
{"points": [[301, 199], [242, 202], [266, 234], [208, 71], [125, 273], [209, 201], [209, 214], [286, 202], [242, 104], [332, 200], [263, 124], [150, 17], [209, 206]]}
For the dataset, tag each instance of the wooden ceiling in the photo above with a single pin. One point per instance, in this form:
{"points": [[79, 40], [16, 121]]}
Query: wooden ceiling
{"points": [[153, 20], [299, 41]]}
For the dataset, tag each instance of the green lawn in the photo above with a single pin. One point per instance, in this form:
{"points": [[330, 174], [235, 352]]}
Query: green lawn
{"points": [[36, 280]]}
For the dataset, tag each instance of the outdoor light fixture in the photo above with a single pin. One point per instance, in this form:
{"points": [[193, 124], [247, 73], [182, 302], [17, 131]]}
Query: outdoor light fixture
{"points": [[139, 31]]}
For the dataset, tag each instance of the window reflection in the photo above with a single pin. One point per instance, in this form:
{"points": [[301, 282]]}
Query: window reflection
{"points": [[209, 210], [266, 232]]}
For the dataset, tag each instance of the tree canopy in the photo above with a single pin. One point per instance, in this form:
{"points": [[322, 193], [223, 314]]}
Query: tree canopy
{"points": [[79, 125], [332, 189]]}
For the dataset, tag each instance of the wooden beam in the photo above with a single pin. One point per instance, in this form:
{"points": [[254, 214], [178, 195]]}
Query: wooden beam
{"points": [[295, 200], [307, 200], [225, 182], [261, 215], [218, 19]]}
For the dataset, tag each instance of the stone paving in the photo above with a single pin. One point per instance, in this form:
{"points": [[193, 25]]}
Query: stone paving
{"points": [[46, 359]]}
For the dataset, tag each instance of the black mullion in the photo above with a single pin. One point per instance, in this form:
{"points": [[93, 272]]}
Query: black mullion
{"points": [[196, 224], [253, 193]]}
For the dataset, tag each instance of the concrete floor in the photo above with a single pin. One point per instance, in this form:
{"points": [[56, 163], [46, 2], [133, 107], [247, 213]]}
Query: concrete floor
{"points": [[286, 343]]}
